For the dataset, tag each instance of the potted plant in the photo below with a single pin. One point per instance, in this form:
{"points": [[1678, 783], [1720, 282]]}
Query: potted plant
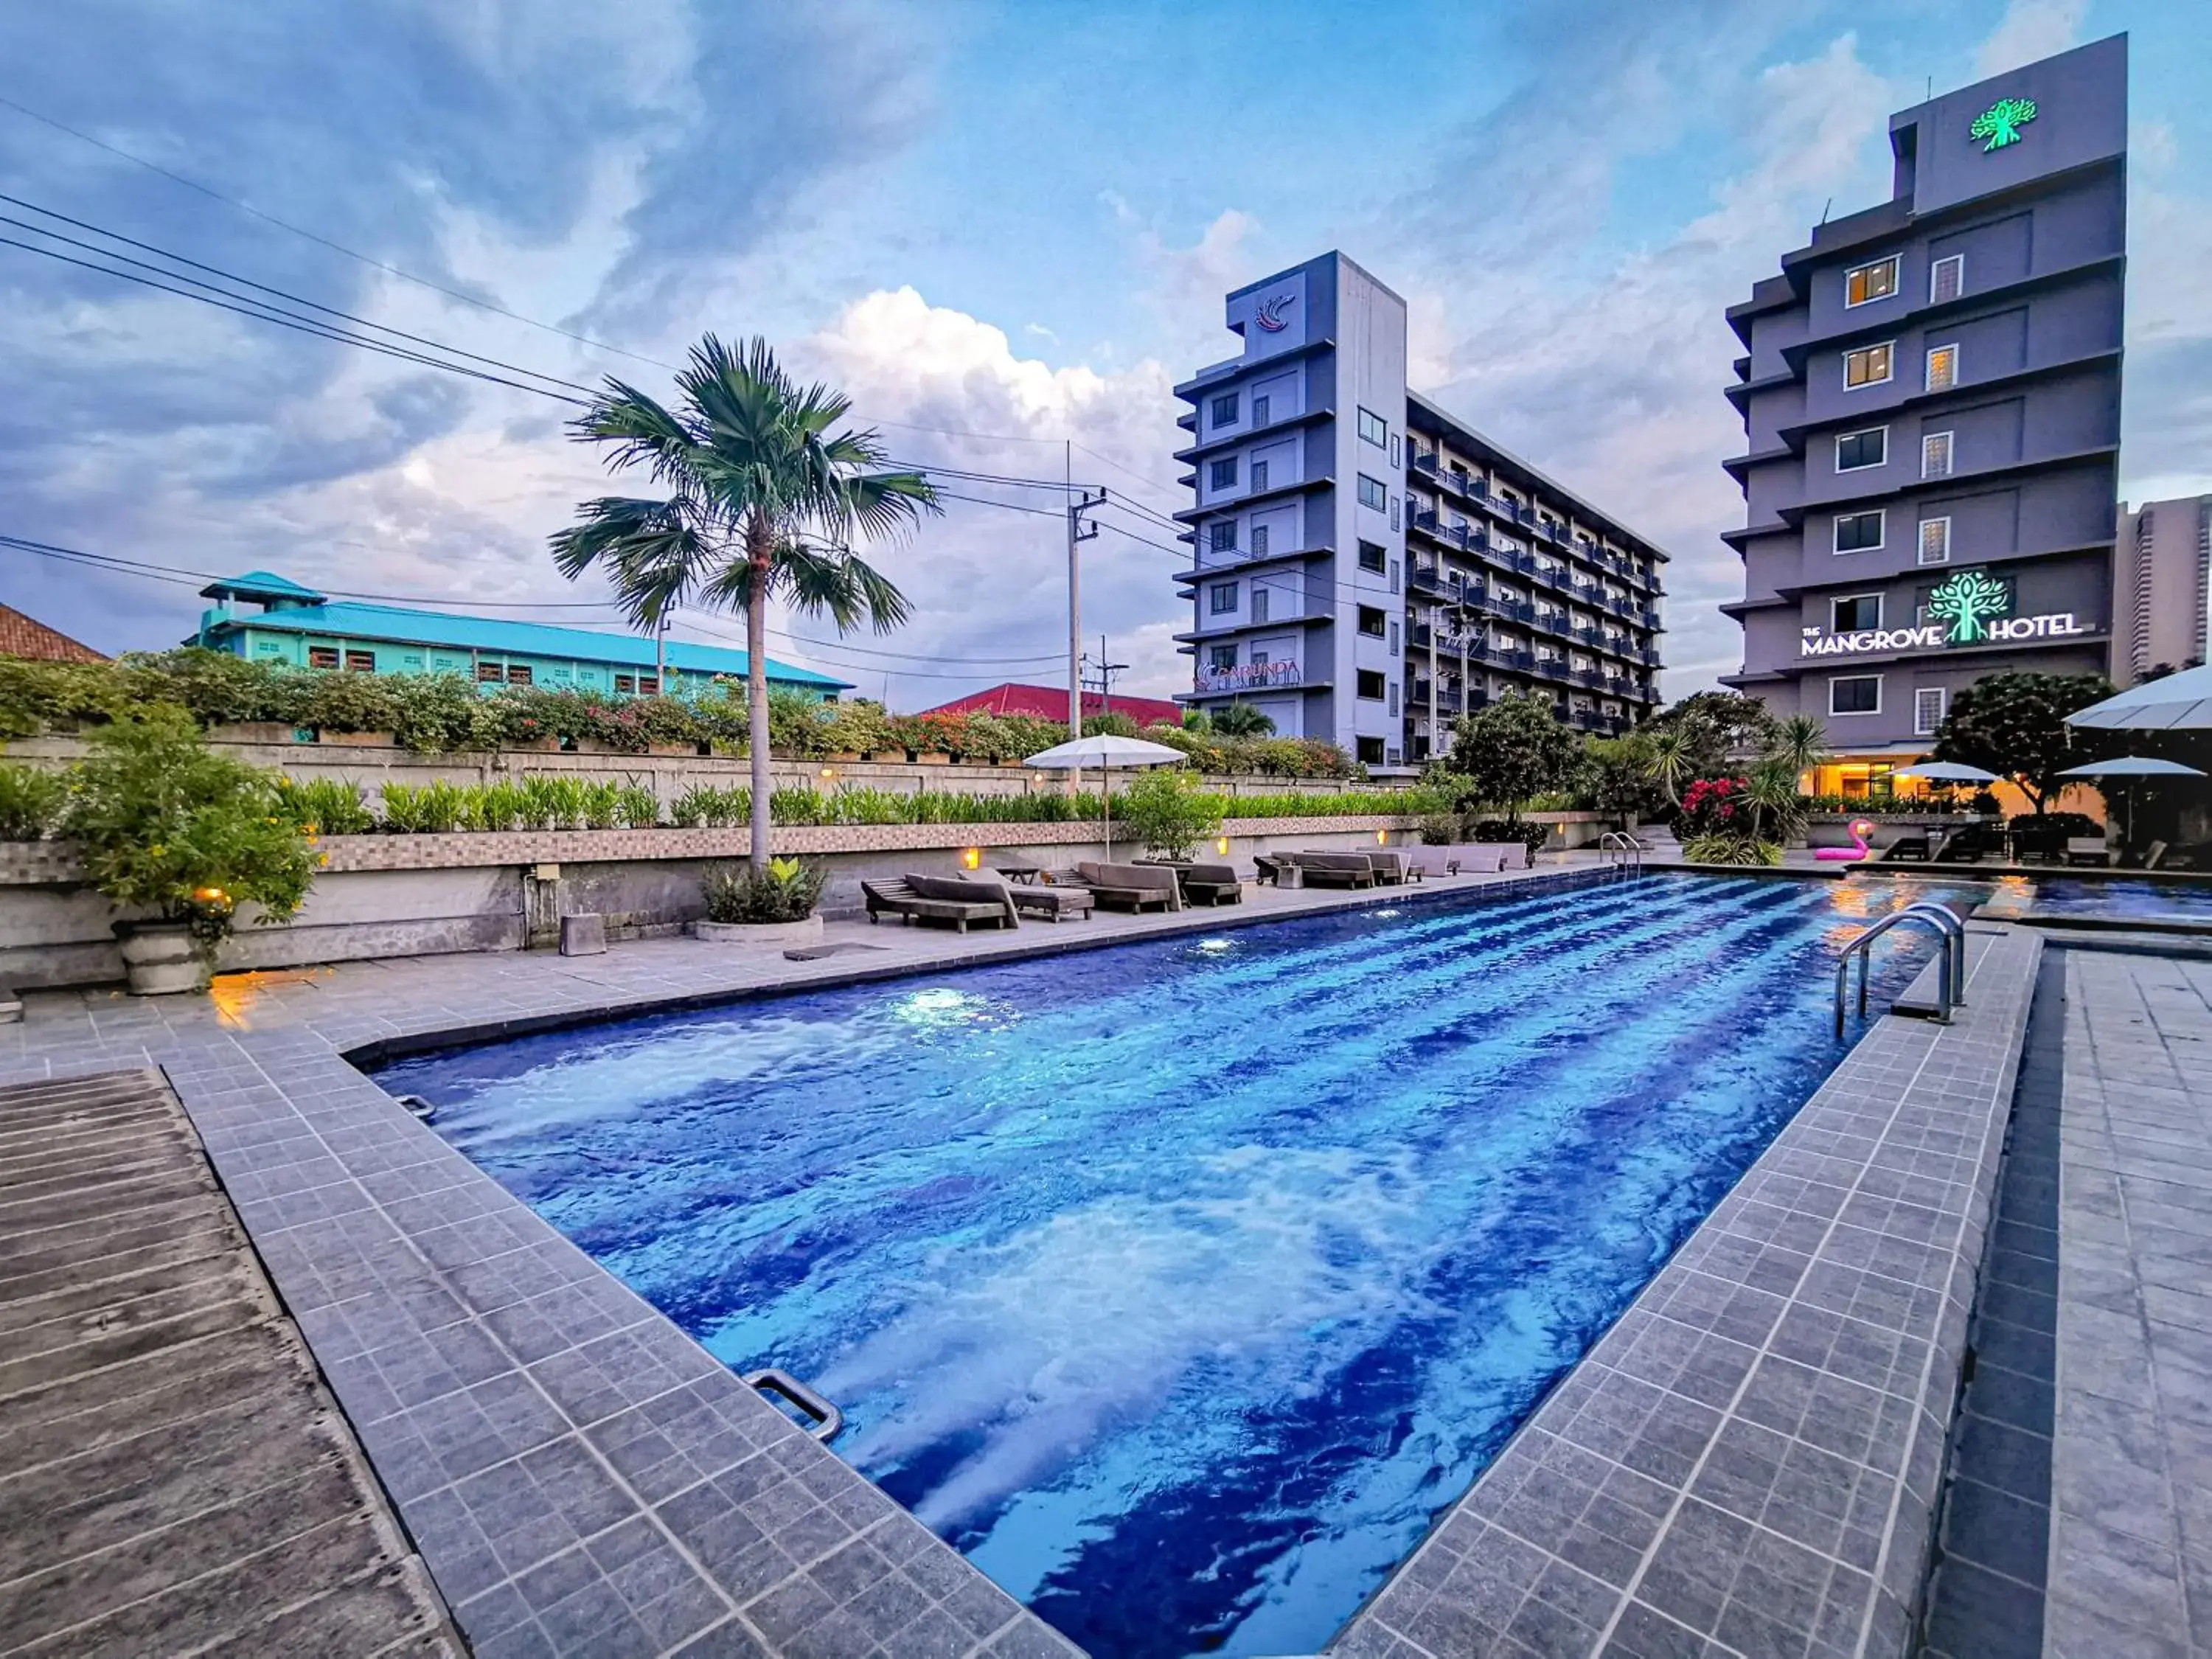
{"points": [[182, 837], [775, 906]]}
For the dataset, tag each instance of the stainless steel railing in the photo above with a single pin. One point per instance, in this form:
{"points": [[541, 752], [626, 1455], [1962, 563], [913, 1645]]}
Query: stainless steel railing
{"points": [[1951, 970]]}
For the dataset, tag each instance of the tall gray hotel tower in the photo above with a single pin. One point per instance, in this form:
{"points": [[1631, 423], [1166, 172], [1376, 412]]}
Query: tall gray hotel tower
{"points": [[1365, 569], [1930, 396]]}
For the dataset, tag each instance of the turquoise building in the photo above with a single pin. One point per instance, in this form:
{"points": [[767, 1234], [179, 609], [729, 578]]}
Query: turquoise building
{"points": [[269, 618]]}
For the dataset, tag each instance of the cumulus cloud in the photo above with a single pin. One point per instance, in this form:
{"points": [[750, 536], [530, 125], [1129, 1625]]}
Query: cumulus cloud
{"points": [[2031, 30]]}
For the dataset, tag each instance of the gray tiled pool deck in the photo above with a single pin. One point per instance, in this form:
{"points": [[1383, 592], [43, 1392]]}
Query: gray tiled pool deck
{"points": [[1748, 1463]]}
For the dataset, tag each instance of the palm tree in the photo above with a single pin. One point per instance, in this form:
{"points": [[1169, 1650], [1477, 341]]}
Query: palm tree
{"points": [[1667, 762], [763, 502], [1802, 741]]}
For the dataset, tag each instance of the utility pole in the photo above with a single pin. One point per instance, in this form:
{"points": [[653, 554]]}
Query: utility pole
{"points": [[1106, 672], [1078, 531], [660, 653]]}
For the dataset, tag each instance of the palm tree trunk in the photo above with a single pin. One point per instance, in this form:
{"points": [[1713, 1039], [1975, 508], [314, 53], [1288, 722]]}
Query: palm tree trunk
{"points": [[758, 550]]}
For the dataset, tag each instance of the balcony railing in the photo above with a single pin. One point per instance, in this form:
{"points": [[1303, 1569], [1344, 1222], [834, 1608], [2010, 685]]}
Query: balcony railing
{"points": [[1250, 677]]}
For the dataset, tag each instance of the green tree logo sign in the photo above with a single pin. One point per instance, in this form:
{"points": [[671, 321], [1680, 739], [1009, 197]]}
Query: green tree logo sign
{"points": [[1967, 601], [2001, 121]]}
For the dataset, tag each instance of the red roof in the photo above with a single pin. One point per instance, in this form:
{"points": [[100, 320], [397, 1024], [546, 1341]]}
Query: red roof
{"points": [[20, 636], [1050, 702]]}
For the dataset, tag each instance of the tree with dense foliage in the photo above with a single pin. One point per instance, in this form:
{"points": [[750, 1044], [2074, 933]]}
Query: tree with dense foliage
{"points": [[1621, 777], [763, 501], [2014, 725], [1718, 730], [1515, 748], [1799, 743], [1168, 813]]}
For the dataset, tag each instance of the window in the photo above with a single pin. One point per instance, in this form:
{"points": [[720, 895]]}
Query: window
{"points": [[1222, 475], [1222, 656], [1393, 576], [1371, 752], [1394, 513], [1259, 410], [648, 685], [361, 662], [1259, 541], [1935, 455], [1258, 613], [1259, 475], [1394, 702], [1868, 366], [1929, 704], [1942, 367], [1372, 558], [1373, 428], [1947, 279], [1371, 685], [489, 674], [1259, 659], [1855, 693], [1221, 536], [1372, 622], [1935, 541], [625, 681], [1856, 449], [1221, 597], [1393, 637], [1858, 532], [322, 656], [1394, 452], [1854, 613], [1225, 410], [1863, 284], [1371, 493]]}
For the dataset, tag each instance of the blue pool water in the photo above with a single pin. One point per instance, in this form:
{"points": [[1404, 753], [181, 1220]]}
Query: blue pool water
{"points": [[1182, 1284], [2113, 899]]}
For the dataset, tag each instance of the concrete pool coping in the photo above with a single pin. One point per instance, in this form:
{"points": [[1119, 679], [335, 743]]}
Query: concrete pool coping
{"points": [[579, 1474]]}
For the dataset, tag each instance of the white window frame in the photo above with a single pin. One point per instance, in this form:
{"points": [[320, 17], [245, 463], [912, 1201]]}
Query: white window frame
{"points": [[1943, 695], [1928, 367], [1836, 680], [1846, 599], [1950, 440], [1889, 365], [1958, 262], [1896, 282], [1861, 432], [1835, 531], [1920, 541]]}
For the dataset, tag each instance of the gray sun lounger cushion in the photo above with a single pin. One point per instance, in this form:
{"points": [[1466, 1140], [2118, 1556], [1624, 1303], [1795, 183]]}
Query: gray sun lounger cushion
{"points": [[1132, 886], [1056, 902], [1211, 884], [1336, 869], [910, 897]]}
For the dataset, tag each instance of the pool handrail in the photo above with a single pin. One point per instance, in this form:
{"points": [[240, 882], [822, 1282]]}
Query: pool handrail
{"points": [[1621, 844], [1946, 923], [827, 1419], [1955, 927]]}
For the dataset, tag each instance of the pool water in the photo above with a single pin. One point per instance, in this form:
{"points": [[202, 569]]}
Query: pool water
{"points": [[1182, 1284], [2111, 899]]}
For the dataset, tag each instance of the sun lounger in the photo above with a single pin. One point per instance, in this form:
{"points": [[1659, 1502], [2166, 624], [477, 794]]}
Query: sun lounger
{"points": [[1056, 903], [939, 898], [1211, 884], [2153, 855], [1131, 886], [1270, 870], [2088, 849], [1336, 869], [1389, 868]]}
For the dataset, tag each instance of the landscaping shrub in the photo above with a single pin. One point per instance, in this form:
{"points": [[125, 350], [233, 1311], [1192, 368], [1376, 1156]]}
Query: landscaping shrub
{"points": [[785, 891], [1440, 829], [639, 806], [438, 808], [327, 807], [1732, 847], [1170, 812], [32, 800]]}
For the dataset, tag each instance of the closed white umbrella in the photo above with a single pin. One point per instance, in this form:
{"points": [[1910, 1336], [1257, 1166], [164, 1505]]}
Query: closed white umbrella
{"points": [[1107, 753], [2132, 767], [2180, 703]]}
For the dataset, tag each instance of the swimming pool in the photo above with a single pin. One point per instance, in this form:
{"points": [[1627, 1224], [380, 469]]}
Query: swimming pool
{"points": [[2112, 899], [1181, 1284]]}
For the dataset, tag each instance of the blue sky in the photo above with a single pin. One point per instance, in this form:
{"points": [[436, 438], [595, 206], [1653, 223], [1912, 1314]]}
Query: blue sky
{"points": [[1014, 220]]}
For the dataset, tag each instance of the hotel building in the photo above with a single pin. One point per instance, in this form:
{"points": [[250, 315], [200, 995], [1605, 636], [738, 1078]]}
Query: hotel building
{"points": [[2161, 587], [1930, 393], [1365, 569]]}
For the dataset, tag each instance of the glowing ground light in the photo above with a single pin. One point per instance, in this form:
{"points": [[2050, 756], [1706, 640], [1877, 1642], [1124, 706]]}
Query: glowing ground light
{"points": [[1214, 947], [2001, 121]]}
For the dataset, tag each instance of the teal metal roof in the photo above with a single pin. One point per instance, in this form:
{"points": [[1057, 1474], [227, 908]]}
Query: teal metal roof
{"points": [[258, 585], [502, 638]]}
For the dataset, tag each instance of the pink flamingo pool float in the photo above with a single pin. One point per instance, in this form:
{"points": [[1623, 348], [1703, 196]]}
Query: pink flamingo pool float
{"points": [[1858, 849]]}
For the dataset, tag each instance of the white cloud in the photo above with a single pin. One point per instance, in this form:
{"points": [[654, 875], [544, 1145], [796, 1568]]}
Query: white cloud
{"points": [[2030, 29]]}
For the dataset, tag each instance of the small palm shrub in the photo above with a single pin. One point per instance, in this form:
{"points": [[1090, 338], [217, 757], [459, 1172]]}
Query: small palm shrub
{"points": [[1732, 847], [640, 807], [326, 806], [428, 809], [785, 891]]}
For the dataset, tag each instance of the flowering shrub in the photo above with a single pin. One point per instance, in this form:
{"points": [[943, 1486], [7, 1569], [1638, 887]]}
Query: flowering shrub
{"points": [[1710, 805]]}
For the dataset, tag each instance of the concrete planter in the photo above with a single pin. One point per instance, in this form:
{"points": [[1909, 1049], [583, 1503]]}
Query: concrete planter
{"points": [[932, 758], [260, 731], [160, 959], [356, 740], [772, 935]]}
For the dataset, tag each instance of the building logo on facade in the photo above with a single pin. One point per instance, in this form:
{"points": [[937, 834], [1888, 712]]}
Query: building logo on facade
{"points": [[2001, 121], [1969, 608], [1270, 315]]}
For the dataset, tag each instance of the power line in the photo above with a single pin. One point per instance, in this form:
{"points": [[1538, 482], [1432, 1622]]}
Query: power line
{"points": [[1175, 490]]}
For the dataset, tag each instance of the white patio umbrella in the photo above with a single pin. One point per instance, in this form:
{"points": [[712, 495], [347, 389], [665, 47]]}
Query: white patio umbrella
{"points": [[1945, 772], [2180, 703], [2131, 767], [1109, 754]]}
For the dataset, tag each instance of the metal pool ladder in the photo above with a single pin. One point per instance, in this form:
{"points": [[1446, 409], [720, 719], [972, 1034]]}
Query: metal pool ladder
{"points": [[824, 1419], [1951, 965], [1619, 846]]}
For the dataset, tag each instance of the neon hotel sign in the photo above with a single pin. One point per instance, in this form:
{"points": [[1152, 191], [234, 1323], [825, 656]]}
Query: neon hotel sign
{"points": [[1969, 609]]}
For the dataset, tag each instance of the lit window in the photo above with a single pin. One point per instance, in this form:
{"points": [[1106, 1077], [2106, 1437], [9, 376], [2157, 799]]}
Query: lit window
{"points": [[361, 662], [1225, 410], [322, 656], [1935, 541], [1221, 536], [1854, 449], [1865, 284], [1935, 455], [1371, 493], [1930, 705], [1947, 279], [1855, 693], [1222, 475], [1858, 532], [1372, 558], [518, 674], [1868, 366], [1221, 597], [1942, 367], [1855, 613], [1373, 428]]}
